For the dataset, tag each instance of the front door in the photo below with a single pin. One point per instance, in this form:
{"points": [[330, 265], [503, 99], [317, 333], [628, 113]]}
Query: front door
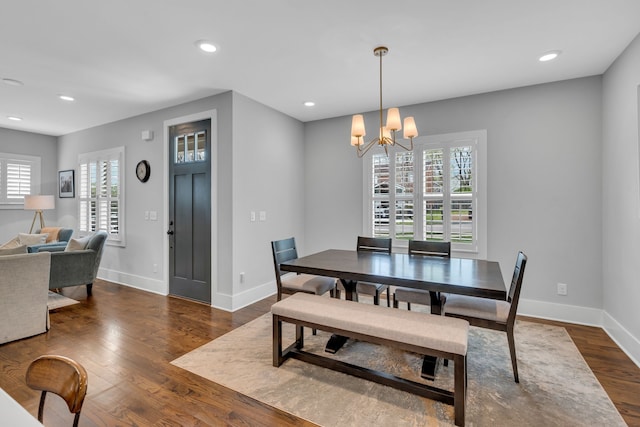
{"points": [[190, 211]]}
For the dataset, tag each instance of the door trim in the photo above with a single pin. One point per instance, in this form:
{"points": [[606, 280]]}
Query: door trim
{"points": [[213, 116]]}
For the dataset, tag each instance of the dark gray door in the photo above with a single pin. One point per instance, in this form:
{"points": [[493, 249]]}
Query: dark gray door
{"points": [[190, 211]]}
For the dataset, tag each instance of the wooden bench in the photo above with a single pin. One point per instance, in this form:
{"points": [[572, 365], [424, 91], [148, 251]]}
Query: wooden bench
{"points": [[411, 331]]}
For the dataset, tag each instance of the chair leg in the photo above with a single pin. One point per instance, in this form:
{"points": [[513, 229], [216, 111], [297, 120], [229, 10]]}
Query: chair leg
{"points": [[388, 297], [512, 350], [408, 306], [395, 302], [376, 298]]}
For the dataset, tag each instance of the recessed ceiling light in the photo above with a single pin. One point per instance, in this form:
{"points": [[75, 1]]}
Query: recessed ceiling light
{"points": [[309, 103], [12, 82], [66, 98], [206, 46], [14, 118], [548, 56]]}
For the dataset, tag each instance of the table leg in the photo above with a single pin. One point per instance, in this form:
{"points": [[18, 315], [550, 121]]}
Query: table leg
{"points": [[429, 363], [336, 342]]}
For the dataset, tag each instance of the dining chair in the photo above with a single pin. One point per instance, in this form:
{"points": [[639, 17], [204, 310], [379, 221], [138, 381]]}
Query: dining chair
{"points": [[421, 248], [489, 313], [374, 244], [290, 283], [62, 376]]}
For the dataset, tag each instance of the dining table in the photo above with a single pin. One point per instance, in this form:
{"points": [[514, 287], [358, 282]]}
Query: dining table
{"points": [[437, 275]]}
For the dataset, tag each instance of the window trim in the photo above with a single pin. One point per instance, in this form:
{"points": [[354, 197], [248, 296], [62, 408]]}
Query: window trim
{"points": [[478, 138], [36, 178], [105, 155]]}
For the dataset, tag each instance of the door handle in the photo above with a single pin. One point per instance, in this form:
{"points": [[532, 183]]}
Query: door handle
{"points": [[170, 230]]}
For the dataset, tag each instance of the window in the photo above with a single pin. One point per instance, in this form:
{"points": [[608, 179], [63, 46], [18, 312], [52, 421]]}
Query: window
{"points": [[19, 177], [431, 193], [101, 193]]}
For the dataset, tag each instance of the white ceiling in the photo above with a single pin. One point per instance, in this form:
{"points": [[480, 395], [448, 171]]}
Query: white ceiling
{"points": [[123, 58]]}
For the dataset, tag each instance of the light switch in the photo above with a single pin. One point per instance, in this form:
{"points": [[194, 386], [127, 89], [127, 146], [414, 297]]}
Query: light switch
{"points": [[253, 216], [146, 215], [263, 215], [153, 215]]}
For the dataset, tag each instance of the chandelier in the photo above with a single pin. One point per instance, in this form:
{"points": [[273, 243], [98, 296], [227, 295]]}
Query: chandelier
{"points": [[386, 134]]}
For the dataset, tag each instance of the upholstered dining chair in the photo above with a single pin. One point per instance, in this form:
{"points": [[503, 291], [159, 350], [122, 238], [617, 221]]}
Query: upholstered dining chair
{"points": [[490, 313], [373, 244], [62, 376], [421, 248], [290, 283]]}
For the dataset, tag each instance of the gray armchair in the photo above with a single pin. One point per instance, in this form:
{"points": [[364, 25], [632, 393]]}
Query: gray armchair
{"points": [[76, 268]]}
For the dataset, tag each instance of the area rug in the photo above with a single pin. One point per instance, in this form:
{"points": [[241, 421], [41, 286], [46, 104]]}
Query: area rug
{"points": [[556, 387], [56, 300]]}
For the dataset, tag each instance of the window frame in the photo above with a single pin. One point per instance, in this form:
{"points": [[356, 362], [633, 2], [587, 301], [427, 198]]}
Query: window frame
{"points": [[478, 140], [117, 153], [35, 178]]}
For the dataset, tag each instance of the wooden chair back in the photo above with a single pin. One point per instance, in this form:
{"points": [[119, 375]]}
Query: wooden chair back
{"points": [[374, 244], [425, 248], [516, 284], [283, 250], [59, 375]]}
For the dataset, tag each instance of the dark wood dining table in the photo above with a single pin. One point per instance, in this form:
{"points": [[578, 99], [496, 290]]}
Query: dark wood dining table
{"points": [[473, 277]]}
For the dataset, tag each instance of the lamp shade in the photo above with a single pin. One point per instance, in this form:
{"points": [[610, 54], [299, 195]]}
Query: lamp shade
{"points": [[357, 126], [410, 129], [393, 119], [39, 203]]}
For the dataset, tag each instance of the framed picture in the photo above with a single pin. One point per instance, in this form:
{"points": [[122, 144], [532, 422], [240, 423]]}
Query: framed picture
{"points": [[66, 181]]}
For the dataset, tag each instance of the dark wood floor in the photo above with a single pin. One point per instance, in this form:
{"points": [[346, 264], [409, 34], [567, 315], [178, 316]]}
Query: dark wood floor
{"points": [[126, 338]]}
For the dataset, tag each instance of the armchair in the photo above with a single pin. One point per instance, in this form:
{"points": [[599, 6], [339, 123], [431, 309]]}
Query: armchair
{"points": [[74, 268]]}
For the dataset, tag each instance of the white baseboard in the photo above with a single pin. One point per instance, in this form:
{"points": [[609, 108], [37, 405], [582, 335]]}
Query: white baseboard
{"points": [[133, 281], [235, 302], [625, 340], [560, 312]]}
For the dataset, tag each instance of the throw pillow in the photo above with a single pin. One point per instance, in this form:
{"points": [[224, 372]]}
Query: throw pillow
{"points": [[17, 250], [53, 233], [77, 244], [32, 239], [13, 243]]}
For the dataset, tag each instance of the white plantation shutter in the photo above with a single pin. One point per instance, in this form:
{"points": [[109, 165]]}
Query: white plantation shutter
{"points": [[380, 195], [19, 177], [429, 193], [101, 193]]}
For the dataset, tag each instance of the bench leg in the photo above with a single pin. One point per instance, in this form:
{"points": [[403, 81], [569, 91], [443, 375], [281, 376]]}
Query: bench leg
{"points": [[460, 389], [277, 341], [300, 336]]}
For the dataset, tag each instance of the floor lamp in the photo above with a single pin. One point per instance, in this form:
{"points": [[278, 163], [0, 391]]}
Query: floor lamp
{"points": [[38, 204]]}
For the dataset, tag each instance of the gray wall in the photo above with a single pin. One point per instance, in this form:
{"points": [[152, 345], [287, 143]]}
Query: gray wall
{"points": [[268, 176], [13, 221], [621, 192], [544, 183], [259, 168], [145, 240]]}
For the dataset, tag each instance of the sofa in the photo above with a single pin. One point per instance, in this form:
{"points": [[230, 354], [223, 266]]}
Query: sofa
{"points": [[58, 243], [24, 286], [56, 239], [79, 266]]}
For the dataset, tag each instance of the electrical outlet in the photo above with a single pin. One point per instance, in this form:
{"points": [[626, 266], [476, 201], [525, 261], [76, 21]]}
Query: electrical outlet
{"points": [[562, 289]]}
